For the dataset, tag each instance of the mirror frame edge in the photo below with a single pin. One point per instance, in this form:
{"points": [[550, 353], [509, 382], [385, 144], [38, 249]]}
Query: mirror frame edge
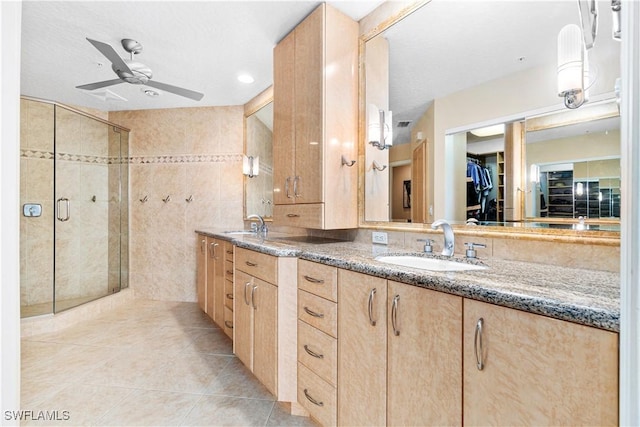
{"points": [[369, 30], [251, 107]]}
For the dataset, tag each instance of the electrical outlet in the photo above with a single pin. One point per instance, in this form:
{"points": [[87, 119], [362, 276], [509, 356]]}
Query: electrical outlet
{"points": [[379, 237]]}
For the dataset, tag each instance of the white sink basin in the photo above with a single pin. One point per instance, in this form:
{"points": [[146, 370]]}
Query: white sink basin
{"points": [[426, 263]]}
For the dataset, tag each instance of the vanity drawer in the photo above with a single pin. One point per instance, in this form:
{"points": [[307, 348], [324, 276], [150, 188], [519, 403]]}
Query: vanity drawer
{"points": [[317, 396], [228, 322], [228, 251], [318, 279], [228, 294], [257, 264], [318, 352], [228, 270], [309, 215], [318, 312]]}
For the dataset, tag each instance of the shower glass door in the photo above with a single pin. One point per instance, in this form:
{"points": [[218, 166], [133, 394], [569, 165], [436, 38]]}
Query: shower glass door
{"points": [[87, 209]]}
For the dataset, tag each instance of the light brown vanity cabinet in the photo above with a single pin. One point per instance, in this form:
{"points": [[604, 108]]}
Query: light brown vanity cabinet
{"points": [[317, 343], [228, 289], [201, 272], [264, 326], [536, 370], [399, 355], [214, 280], [315, 122]]}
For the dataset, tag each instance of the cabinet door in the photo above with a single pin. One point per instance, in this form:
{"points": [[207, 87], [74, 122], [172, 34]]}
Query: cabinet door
{"points": [[537, 370], [243, 319], [424, 365], [211, 273], [264, 300], [283, 121], [218, 283], [362, 349], [309, 107], [201, 272]]}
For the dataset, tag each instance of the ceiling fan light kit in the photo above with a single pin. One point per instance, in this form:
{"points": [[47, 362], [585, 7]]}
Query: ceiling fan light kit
{"points": [[133, 72]]}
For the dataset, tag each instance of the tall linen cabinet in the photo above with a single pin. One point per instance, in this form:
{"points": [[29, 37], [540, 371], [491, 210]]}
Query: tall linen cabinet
{"points": [[315, 123]]}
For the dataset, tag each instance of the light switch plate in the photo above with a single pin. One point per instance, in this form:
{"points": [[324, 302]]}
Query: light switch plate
{"points": [[379, 237]]}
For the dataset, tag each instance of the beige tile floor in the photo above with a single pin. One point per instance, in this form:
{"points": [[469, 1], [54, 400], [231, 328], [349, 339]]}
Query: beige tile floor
{"points": [[149, 363]]}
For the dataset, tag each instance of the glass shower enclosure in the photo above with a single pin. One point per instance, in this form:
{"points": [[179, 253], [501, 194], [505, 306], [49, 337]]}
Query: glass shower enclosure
{"points": [[74, 196]]}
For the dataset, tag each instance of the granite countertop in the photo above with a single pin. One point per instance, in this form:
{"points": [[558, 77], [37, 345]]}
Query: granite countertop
{"points": [[586, 297]]}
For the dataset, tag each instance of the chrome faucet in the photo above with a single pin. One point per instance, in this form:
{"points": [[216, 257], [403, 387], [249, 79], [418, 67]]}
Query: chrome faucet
{"points": [[262, 228], [449, 240]]}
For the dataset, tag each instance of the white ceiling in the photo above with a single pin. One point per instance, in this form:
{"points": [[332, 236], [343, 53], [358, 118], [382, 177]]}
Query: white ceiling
{"points": [[200, 45]]}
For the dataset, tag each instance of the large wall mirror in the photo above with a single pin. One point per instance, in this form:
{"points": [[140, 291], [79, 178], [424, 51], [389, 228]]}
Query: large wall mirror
{"points": [[258, 156], [476, 82]]}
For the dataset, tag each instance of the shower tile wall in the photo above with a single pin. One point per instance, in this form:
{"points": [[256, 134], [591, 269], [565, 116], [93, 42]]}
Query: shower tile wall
{"points": [[178, 153], [36, 186]]}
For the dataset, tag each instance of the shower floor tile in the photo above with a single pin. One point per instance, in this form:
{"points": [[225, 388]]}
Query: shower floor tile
{"points": [[150, 363]]}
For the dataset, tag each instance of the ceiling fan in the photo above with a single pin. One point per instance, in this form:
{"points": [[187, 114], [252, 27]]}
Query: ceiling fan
{"points": [[130, 71]]}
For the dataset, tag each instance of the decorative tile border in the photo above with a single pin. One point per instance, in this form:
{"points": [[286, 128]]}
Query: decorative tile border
{"points": [[191, 158]]}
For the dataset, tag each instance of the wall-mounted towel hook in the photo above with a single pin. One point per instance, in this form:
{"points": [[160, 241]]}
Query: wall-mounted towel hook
{"points": [[375, 165], [190, 199], [93, 199], [167, 199], [347, 162], [144, 199]]}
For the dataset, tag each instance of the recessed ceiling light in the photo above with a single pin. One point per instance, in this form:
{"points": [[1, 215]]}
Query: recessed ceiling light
{"points": [[245, 78], [151, 93]]}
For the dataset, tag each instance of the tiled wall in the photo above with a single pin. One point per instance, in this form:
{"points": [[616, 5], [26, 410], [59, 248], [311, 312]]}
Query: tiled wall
{"points": [[178, 153]]}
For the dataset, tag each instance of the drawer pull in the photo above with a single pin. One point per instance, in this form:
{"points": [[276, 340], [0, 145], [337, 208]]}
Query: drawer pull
{"points": [[230, 252], [313, 313], [372, 295], [228, 324], [293, 215], [229, 296], [477, 344], [230, 272], [311, 399], [312, 280], [313, 353], [250, 264]]}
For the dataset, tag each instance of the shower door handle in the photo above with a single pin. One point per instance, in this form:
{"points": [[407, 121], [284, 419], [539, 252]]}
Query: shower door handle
{"points": [[66, 201]]}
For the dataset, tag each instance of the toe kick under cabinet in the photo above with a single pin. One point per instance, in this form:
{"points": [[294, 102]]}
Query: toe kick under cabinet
{"points": [[264, 327]]}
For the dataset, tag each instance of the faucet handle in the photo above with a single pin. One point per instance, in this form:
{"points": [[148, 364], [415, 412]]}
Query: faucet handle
{"points": [[428, 248], [471, 251]]}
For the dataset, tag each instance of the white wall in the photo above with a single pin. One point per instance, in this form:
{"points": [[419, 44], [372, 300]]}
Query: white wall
{"points": [[10, 18]]}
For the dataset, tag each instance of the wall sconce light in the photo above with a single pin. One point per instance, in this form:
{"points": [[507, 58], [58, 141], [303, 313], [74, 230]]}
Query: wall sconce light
{"points": [[571, 55], [580, 189], [534, 173], [379, 132], [250, 166]]}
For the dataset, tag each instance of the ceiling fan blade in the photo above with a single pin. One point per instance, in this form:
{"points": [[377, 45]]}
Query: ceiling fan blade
{"points": [[111, 55], [98, 85], [196, 96]]}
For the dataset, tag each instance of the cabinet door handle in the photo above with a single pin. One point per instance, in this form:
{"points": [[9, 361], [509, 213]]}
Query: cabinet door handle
{"points": [[372, 296], [290, 215], [313, 280], [228, 324], [311, 399], [313, 353], [246, 299], [253, 295], [477, 344], [286, 187], [313, 313], [66, 201], [212, 249], [203, 245], [251, 264], [394, 315], [295, 186], [229, 296]]}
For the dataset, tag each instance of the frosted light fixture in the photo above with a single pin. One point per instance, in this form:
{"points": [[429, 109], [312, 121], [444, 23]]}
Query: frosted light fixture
{"points": [[580, 189], [250, 166], [245, 78], [489, 130], [534, 173], [379, 131], [571, 66]]}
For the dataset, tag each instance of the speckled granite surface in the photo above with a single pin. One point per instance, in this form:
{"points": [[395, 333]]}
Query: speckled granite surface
{"points": [[581, 296]]}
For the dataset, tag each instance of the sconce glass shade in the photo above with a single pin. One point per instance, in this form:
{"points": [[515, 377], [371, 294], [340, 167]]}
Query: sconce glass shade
{"points": [[571, 65], [379, 131], [580, 189], [250, 166], [534, 173]]}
